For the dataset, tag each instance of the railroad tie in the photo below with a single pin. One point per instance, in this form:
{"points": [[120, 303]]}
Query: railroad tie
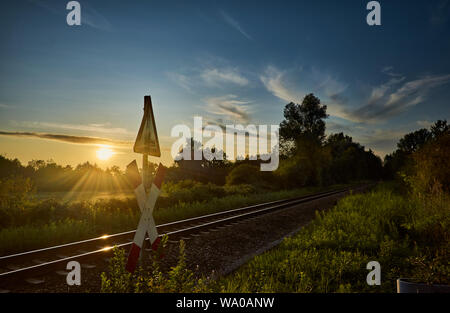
{"points": [[12, 267], [37, 261], [35, 281]]}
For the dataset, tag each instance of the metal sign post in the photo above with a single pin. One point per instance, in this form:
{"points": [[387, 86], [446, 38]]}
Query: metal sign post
{"points": [[146, 143]]}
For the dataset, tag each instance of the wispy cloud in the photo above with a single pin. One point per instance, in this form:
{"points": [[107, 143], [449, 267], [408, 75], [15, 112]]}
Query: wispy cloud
{"points": [[424, 124], [211, 76], [385, 101], [181, 80], [273, 80], [94, 128], [4, 106], [334, 127], [229, 107], [235, 24], [93, 18], [395, 97], [215, 76], [292, 86], [68, 138]]}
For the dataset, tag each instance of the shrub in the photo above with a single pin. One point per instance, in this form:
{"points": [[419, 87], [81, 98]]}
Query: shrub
{"points": [[243, 174], [177, 279], [431, 167], [14, 199]]}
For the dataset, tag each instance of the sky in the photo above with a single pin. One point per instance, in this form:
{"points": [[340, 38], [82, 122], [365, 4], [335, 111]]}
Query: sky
{"points": [[67, 91]]}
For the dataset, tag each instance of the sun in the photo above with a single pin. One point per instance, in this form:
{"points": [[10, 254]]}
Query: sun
{"points": [[104, 153]]}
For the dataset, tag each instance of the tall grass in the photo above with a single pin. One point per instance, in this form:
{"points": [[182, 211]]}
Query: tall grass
{"points": [[407, 237]]}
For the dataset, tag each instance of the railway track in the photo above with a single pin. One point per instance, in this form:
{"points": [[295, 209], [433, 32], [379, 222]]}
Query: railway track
{"points": [[24, 266]]}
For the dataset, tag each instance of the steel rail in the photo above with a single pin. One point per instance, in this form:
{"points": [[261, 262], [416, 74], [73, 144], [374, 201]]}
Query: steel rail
{"points": [[170, 224], [223, 219]]}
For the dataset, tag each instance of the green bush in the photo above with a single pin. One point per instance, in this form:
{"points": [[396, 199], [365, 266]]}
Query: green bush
{"points": [[177, 279], [243, 174], [15, 196]]}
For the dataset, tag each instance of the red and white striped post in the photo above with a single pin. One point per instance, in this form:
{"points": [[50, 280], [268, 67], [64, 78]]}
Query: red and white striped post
{"points": [[146, 204]]}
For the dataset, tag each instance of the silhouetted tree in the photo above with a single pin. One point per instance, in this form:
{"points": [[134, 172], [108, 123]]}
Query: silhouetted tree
{"points": [[413, 141], [304, 121], [401, 159]]}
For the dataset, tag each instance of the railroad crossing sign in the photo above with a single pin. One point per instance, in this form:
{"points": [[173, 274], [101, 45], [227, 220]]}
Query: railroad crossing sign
{"points": [[147, 144], [147, 138], [146, 205]]}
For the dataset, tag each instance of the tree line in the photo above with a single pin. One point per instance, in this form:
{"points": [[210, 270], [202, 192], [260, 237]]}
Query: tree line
{"points": [[307, 158]]}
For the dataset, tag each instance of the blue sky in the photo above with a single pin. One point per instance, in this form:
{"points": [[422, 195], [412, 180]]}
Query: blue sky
{"points": [[227, 61]]}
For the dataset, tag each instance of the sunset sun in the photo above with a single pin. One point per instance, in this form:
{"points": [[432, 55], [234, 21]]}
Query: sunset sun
{"points": [[104, 153]]}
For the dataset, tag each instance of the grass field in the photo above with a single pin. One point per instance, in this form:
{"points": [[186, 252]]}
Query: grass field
{"points": [[83, 195], [49, 222]]}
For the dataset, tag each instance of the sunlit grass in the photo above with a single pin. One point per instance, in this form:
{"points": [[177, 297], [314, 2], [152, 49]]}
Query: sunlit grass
{"points": [[58, 223]]}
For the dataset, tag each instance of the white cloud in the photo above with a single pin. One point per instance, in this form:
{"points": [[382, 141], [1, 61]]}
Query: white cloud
{"points": [[181, 80], [385, 101], [391, 99], [94, 128], [215, 76], [290, 87], [273, 80], [424, 124], [229, 107]]}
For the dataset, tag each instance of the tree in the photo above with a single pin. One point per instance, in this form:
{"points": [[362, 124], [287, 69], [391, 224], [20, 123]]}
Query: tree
{"points": [[304, 120], [413, 141], [440, 128], [401, 159], [430, 170], [349, 161]]}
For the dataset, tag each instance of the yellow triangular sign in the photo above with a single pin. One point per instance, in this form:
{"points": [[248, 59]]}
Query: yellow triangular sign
{"points": [[147, 138]]}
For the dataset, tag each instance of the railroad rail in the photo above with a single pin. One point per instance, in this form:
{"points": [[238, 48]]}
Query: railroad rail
{"points": [[43, 261]]}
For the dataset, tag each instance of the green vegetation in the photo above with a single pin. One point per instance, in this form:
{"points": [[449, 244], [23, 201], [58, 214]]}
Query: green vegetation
{"points": [[28, 223], [405, 226], [176, 279], [409, 238]]}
